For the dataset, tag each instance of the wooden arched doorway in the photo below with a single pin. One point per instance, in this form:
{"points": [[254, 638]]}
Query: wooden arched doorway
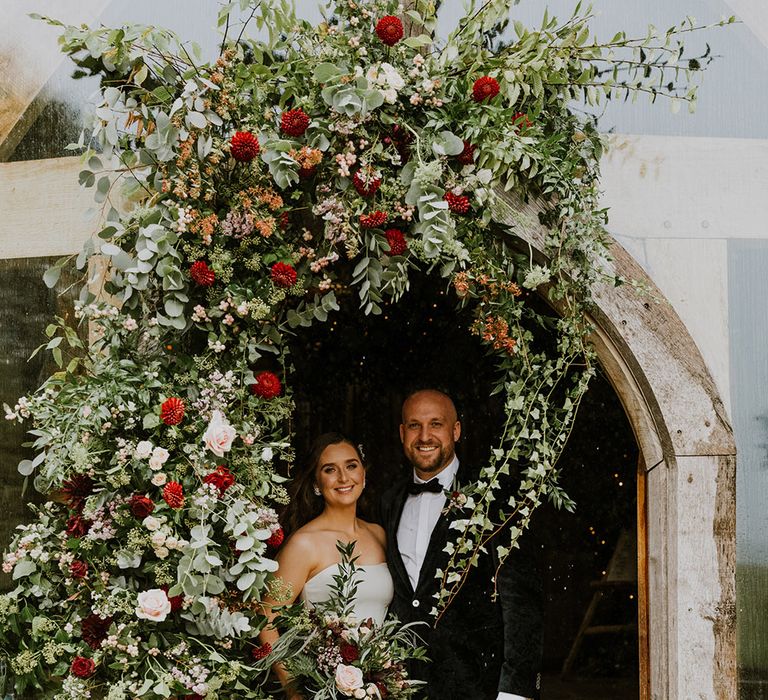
{"points": [[687, 474]]}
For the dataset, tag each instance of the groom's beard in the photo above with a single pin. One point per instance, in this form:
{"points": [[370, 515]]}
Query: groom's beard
{"points": [[435, 462]]}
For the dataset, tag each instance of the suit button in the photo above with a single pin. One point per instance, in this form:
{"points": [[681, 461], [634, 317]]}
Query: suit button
{"points": [[415, 603]]}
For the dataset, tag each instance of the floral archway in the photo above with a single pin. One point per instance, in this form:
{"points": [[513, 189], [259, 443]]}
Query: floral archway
{"points": [[347, 154]]}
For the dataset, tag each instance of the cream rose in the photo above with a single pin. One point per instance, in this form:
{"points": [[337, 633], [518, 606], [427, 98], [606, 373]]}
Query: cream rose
{"points": [[159, 458], [348, 679], [154, 605], [151, 523], [219, 435], [143, 449]]}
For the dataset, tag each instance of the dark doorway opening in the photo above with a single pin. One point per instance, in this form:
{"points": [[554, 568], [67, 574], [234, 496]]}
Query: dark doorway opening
{"points": [[352, 373]]}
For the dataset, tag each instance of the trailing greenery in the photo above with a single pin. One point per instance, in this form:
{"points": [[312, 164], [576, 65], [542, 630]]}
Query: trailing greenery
{"points": [[238, 195]]}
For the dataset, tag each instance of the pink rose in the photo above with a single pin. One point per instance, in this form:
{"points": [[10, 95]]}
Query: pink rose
{"points": [[219, 435], [153, 605], [348, 679]]}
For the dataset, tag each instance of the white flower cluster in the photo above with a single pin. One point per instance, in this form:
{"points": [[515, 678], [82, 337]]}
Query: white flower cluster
{"points": [[163, 540], [388, 81]]}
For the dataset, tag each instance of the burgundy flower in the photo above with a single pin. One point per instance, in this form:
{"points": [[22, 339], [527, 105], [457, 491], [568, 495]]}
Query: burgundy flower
{"points": [[176, 601], [78, 526], [349, 652], [261, 652], [222, 478], [294, 122], [389, 29], [267, 385], [93, 630], [485, 88], [140, 506], [173, 494], [82, 667], [396, 240], [202, 274], [244, 146], [283, 275], [77, 489], [172, 411], [78, 569], [276, 538], [467, 156]]}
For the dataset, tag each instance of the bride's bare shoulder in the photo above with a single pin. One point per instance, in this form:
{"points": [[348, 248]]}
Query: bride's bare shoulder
{"points": [[377, 531]]}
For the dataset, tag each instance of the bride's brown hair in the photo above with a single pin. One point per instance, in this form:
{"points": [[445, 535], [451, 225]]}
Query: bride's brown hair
{"points": [[305, 505]]}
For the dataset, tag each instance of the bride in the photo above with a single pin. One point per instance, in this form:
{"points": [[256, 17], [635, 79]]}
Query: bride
{"points": [[323, 511]]}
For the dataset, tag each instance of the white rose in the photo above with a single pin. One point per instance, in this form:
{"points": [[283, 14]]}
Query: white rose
{"points": [[162, 552], [159, 458], [349, 679], [171, 542], [143, 449], [154, 605], [392, 77], [389, 95], [158, 539], [159, 479], [219, 435], [151, 523], [360, 693]]}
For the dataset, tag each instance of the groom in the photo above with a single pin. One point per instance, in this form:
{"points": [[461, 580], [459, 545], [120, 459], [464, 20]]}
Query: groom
{"points": [[481, 649]]}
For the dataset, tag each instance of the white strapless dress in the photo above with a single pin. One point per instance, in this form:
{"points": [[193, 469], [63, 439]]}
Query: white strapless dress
{"points": [[374, 590]]}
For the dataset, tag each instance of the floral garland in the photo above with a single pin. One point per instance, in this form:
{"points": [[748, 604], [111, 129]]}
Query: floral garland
{"points": [[250, 189]]}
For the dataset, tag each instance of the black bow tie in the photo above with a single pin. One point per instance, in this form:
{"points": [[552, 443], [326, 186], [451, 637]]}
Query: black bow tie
{"points": [[431, 486]]}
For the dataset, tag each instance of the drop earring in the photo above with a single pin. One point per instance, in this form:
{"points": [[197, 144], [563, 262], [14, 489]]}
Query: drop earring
{"points": [[316, 489]]}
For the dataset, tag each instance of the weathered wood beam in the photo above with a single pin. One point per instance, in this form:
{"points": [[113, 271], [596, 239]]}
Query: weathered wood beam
{"points": [[29, 56], [43, 208]]}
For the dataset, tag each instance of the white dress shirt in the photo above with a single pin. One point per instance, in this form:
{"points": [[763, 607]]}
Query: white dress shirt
{"points": [[420, 515]]}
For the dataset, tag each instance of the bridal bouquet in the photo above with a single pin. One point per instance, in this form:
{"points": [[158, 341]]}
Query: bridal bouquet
{"points": [[331, 654]]}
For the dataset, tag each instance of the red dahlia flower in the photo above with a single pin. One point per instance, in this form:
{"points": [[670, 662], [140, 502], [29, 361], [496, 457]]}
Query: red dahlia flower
{"points": [[520, 119], [93, 630], [366, 186], [261, 652], [222, 478], [389, 29], [375, 219], [396, 240], [82, 667], [140, 506], [276, 538], [458, 204], [266, 386], [244, 146], [78, 569], [202, 274], [467, 156], [77, 489], [485, 88], [173, 494], [172, 411], [294, 122], [283, 275]]}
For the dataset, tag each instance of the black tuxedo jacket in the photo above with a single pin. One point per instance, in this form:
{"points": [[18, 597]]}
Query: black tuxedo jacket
{"points": [[480, 646]]}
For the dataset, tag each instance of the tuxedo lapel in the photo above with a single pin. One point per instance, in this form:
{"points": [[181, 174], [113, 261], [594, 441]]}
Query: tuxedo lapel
{"points": [[435, 556], [394, 512]]}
